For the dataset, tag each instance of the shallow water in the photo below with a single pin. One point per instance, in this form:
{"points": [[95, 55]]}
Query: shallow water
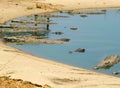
{"points": [[97, 34]]}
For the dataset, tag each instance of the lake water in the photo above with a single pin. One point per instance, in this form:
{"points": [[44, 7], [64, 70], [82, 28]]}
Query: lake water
{"points": [[99, 35]]}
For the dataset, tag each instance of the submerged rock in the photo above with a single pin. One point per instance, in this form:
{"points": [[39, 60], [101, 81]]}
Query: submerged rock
{"points": [[103, 10], [70, 52], [80, 50], [82, 15], [64, 39], [57, 33], [74, 28]]}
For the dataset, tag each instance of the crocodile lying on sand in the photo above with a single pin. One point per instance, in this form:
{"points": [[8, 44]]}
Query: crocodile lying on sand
{"points": [[108, 62], [116, 73]]}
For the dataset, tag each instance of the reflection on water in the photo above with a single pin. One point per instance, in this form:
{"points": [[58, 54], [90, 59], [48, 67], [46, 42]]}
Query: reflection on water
{"points": [[28, 31], [98, 34], [22, 27]]}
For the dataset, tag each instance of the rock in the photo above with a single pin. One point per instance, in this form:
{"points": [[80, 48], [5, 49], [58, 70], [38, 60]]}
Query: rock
{"points": [[70, 52], [43, 5], [61, 11], [64, 39], [80, 50], [57, 33], [74, 28], [82, 15], [108, 62], [72, 12], [47, 6], [104, 10], [32, 39]]}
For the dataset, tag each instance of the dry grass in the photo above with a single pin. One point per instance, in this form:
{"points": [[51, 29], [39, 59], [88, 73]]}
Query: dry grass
{"points": [[47, 6], [6, 82]]}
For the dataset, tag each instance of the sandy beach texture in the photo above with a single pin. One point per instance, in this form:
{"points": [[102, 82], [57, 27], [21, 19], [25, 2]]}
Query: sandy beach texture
{"points": [[20, 65]]}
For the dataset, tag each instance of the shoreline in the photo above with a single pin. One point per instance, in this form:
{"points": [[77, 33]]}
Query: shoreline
{"points": [[19, 64], [72, 77]]}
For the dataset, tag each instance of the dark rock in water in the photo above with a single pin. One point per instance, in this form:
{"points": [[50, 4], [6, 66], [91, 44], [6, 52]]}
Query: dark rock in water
{"points": [[116, 73], [70, 52], [82, 15], [74, 28], [57, 33], [61, 11], [104, 10], [64, 39], [108, 62], [80, 50]]}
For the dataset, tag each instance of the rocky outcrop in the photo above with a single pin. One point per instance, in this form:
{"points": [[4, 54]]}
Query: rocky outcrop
{"points": [[32, 39]]}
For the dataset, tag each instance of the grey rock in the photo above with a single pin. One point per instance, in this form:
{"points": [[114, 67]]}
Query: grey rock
{"points": [[80, 50]]}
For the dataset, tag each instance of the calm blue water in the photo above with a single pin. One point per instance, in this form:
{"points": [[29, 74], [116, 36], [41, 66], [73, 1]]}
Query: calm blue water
{"points": [[98, 34]]}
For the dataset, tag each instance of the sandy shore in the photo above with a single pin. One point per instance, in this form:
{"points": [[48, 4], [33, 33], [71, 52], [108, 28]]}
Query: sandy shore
{"points": [[18, 64]]}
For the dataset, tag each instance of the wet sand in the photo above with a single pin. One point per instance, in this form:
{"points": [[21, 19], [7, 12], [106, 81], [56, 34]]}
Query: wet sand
{"points": [[20, 65]]}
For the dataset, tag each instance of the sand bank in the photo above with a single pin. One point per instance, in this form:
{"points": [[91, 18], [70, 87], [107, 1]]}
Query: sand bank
{"points": [[18, 64]]}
